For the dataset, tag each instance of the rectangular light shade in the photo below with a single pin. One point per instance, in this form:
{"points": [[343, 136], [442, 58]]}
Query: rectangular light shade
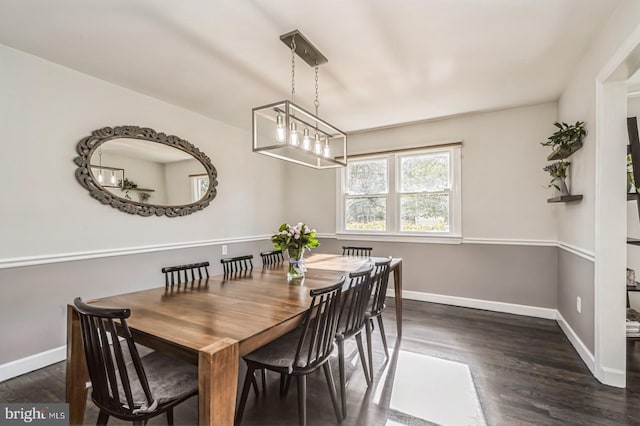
{"points": [[265, 140], [111, 176]]}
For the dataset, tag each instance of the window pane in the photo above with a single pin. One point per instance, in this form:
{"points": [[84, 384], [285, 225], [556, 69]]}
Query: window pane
{"points": [[424, 212], [367, 177], [424, 172], [366, 213], [199, 187], [203, 186]]}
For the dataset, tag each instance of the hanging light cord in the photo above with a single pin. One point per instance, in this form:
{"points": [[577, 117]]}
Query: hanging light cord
{"points": [[293, 70], [317, 101]]}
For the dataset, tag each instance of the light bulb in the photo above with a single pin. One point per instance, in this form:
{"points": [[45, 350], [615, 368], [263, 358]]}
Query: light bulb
{"points": [[100, 177], [113, 177], [293, 138], [326, 153], [318, 146], [306, 142], [280, 128]]}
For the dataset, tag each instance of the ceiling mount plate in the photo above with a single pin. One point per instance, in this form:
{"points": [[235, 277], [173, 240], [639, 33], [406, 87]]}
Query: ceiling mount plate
{"points": [[304, 48]]}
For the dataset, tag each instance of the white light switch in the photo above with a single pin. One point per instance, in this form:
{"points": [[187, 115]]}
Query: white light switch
{"points": [[224, 250], [579, 304]]}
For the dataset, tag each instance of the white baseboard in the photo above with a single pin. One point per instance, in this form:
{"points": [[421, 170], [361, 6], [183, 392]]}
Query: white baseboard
{"points": [[489, 305], [612, 377], [33, 362], [581, 348], [607, 376]]}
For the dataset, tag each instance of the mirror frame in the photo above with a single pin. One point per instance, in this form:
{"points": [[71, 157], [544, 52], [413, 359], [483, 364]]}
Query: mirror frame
{"points": [[88, 145]]}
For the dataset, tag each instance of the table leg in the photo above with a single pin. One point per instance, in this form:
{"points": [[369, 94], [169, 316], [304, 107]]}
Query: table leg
{"points": [[77, 373], [218, 382], [397, 284]]}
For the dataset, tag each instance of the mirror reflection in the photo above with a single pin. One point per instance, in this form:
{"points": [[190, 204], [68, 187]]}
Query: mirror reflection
{"points": [[148, 172]]}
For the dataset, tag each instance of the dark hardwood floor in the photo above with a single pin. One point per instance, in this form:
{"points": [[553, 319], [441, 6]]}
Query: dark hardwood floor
{"points": [[524, 370]]}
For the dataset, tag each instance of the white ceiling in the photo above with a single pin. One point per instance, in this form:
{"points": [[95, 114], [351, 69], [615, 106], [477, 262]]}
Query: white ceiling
{"points": [[143, 150], [390, 61]]}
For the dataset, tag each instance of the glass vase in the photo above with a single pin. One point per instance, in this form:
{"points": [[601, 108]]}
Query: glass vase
{"points": [[296, 264]]}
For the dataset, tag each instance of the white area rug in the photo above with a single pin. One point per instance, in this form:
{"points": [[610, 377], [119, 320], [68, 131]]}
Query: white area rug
{"points": [[433, 391]]}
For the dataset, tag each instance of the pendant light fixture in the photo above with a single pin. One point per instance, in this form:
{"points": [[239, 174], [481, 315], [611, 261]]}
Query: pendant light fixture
{"points": [[100, 176], [107, 177], [277, 126]]}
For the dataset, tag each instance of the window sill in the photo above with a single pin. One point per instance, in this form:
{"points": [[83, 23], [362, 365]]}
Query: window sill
{"points": [[400, 238]]}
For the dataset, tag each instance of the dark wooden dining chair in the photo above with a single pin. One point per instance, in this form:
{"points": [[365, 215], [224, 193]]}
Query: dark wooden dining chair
{"points": [[351, 322], [356, 251], [380, 282], [125, 385], [237, 265], [273, 257], [175, 275], [301, 351]]}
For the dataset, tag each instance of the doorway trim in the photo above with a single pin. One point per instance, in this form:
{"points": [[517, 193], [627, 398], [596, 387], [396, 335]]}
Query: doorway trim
{"points": [[610, 206]]}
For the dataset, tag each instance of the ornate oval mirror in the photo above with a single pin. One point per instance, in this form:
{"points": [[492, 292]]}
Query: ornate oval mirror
{"points": [[140, 171]]}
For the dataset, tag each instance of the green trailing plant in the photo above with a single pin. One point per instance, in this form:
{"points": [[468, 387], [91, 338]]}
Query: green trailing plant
{"points": [[144, 197], [557, 170], [127, 184], [566, 136]]}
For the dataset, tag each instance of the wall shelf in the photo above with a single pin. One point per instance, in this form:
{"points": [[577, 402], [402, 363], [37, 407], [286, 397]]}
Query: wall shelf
{"points": [[633, 241], [632, 196], [565, 199], [140, 189], [560, 154]]}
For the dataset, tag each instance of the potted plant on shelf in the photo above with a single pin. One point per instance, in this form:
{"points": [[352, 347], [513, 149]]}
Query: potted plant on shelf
{"points": [[566, 139], [558, 172]]}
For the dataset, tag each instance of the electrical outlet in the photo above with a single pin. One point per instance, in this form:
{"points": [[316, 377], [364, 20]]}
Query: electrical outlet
{"points": [[579, 304], [224, 250]]}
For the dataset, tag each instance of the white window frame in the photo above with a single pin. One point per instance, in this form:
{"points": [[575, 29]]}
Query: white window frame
{"points": [[195, 187], [393, 232]]}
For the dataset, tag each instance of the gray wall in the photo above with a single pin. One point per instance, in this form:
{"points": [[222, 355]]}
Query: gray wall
{"points": [[34, 298], [46, 109], [45, 113], [525, 275], [576, 278], [501, 154]]}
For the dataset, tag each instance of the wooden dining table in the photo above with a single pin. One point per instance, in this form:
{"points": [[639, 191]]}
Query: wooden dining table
{"points": [[215, 321]]}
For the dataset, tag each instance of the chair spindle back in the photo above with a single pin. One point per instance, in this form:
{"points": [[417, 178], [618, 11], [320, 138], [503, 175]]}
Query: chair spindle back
{"points": [[234, 265], [379, 287], [175, 275], [110, 376], [319, 327], [272, 257], [356, 251], [355, 301]]}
